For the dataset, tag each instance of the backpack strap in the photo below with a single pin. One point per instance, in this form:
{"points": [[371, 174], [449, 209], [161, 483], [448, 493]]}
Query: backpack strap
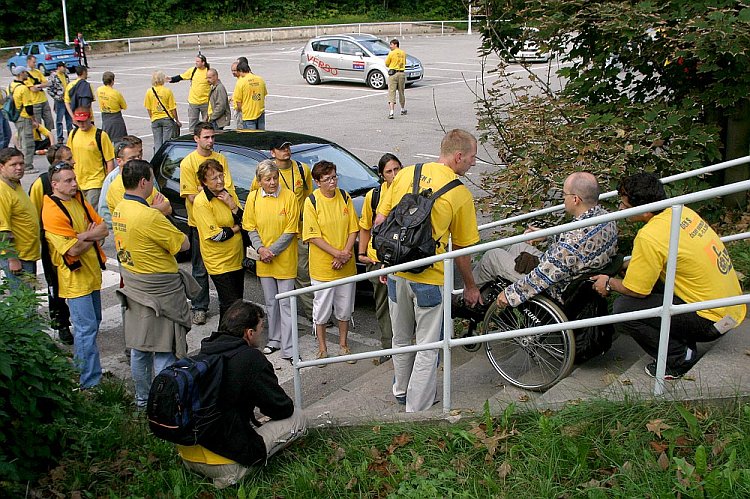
{"points": [[417, 177], [313, 201], [344, 195], [46, 184], [98, 138], [195, 68], [447, 187], [375, 200], [79, 197]]}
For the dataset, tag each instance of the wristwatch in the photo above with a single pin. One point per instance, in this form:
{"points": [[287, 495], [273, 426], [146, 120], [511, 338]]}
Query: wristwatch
{"points": [[607, 286]]}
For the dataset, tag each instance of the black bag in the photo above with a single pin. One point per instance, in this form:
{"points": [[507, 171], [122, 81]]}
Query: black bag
{"points": [[406, 233], [184, 399], [391, 72]]}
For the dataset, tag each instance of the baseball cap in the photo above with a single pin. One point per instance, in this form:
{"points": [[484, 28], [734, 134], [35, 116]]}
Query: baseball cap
{"points": [[81, 115], [19, 69], [280, 144]]}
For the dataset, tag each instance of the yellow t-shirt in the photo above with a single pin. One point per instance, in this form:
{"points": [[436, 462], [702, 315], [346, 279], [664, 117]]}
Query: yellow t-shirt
{"points": [[116, 193], [367, 217], [199, 454], [271, 217], [396, 59], [151, 103], [36, 194], [291, 179], [89, 168], [332, 219], [210, 215], [145, 240], [40, 96], [21, 97], [251, 93], [199, 86], [70, 86], [452, 214], [17, 216], [110, 100], [189, 183], [704, 269], [86, 279], [41, 132]]}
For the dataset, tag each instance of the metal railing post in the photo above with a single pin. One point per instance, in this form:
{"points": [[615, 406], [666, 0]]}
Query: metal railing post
{"points": [[271, 30], [129, 49], [295, 353], [178, 42], [666, 310], [224, 34], [447, 329]]}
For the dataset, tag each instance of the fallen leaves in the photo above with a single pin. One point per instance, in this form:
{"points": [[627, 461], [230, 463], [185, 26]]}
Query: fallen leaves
{"points": [[504, 470], [656, 426], [663, 461]]}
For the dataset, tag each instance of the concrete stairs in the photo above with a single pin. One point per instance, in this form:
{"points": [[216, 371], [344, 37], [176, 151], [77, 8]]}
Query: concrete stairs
{"points": [[343, 394]]}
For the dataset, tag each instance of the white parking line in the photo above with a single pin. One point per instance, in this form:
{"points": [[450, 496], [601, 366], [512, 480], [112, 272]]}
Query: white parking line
{"points": [[298, 97], [454, 70]]}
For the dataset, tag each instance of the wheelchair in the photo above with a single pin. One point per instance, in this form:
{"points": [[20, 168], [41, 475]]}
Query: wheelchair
{"points": [[537, 362]]}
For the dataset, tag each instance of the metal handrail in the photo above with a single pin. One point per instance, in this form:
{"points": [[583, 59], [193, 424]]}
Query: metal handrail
{"points": [[666, 310]]}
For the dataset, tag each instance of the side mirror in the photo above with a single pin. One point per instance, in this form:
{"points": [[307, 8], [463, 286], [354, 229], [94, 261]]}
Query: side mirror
{"points": [[359, 54], [374, 169], [18, 53]]}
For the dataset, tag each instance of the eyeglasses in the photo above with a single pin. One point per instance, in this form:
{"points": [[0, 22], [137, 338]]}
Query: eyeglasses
{"points": [[61, 165], [217, 178], [329, 180], [569, 194]]}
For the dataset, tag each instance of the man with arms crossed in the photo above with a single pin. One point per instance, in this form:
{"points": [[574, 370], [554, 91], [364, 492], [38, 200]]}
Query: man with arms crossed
{"points": [[416, 300], [704, 272], [74, 231]]}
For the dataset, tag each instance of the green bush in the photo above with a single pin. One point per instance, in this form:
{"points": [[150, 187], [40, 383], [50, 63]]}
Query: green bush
{"points": [[37, 382]]}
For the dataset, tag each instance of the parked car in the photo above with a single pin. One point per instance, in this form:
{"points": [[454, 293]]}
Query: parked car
{"points": [[244, 149], [529, 50], [48, 54], [359, 58]]}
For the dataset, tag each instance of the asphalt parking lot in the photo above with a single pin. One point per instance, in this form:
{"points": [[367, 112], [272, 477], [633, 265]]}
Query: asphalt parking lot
{"points": [[353, 115]]}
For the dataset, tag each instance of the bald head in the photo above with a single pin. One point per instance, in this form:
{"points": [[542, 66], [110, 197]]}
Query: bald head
{"points": [[585, 186]]}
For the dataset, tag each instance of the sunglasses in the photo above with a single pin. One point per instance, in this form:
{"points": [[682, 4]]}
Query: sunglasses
{"points": [[61, 165]]}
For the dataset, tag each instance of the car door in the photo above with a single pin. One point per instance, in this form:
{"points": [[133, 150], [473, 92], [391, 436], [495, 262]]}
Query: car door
{"points": [[326, 58], [351, 61], [168, 178]]}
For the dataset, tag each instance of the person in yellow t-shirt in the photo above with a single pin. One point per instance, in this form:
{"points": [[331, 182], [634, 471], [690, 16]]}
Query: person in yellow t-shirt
{"points": [[190, 186], [330, 227], [25, 124], [417, 310], [388, 166], [146, 243], [396, 64], [704, 272], [74, 235], [218, 218], [111, 104], [199, 90], [43, 139], [76, 96], [36, 83], [250, 98], [94, 159], [272, 219], [296, 177], [19, 225], [161, 107]]}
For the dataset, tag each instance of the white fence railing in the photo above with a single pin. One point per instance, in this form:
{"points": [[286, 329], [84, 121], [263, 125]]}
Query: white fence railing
{"points": [[665, 311]]}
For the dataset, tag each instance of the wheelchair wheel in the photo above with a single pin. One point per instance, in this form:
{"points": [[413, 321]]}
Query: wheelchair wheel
{"points": [[534, 362]]}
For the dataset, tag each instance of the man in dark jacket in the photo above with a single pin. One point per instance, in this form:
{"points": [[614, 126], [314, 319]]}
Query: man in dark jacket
{"points": [[236, 440]]}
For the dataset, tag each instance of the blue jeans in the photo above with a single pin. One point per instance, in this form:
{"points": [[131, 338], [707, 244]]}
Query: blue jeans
{"points": [[85, 316], [162, 130], [28, 268], [5, 132], [257, 124], [61, 113], [144, 366]]}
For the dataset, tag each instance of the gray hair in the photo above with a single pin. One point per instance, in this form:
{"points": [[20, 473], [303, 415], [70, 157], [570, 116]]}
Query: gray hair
{"points": [[158, 78], [265, 168]]}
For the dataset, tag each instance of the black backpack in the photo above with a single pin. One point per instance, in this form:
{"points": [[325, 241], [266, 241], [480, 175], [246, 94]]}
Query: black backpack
{"points": [[184, 398], [406, 233]]}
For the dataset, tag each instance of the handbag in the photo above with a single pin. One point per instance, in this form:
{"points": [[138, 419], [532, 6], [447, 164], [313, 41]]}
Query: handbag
{"points": [[175, 124]]}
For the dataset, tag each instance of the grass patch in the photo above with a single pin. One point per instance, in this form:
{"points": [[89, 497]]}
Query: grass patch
{"points": [[740, 253], [595, 449]]}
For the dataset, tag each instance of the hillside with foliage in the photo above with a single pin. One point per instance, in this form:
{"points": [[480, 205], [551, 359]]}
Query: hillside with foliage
{"points": [[636, 85], [141, 17]]}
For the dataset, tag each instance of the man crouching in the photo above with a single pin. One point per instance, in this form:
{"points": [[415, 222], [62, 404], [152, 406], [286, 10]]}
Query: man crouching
{"points": [[248, 381]]}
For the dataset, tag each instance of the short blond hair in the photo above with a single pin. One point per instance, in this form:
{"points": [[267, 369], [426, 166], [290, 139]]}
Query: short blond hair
{"points": [[158, 78], [457, 140]]}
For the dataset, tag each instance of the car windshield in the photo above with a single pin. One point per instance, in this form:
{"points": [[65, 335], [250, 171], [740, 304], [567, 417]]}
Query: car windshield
{"points": [[377, 46], [354, 176], [56, 46]]}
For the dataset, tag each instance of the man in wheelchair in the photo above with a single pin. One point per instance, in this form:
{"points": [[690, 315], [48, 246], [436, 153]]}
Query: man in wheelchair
{"points": [[520, 272]]}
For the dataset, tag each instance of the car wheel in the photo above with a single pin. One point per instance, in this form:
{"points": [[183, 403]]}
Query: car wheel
{"points": [[377, 80], [312, 76], [43, 70], [11, 66]]}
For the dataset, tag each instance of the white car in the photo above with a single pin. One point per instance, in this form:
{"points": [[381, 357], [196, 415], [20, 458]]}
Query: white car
{"points": [[359, 58]]}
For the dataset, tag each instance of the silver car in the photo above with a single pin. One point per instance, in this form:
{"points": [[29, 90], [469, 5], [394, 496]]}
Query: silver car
{"points": [[359, 58]]}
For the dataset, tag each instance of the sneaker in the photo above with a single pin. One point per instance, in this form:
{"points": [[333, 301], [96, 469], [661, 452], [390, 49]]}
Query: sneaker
{"points": [[65, 335], [401, 399], [390, 116], [322, 355], [34, 170], [382, 359], [671, 373], [345, 351], [199, 317], [269, 350], [403, 112]]}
